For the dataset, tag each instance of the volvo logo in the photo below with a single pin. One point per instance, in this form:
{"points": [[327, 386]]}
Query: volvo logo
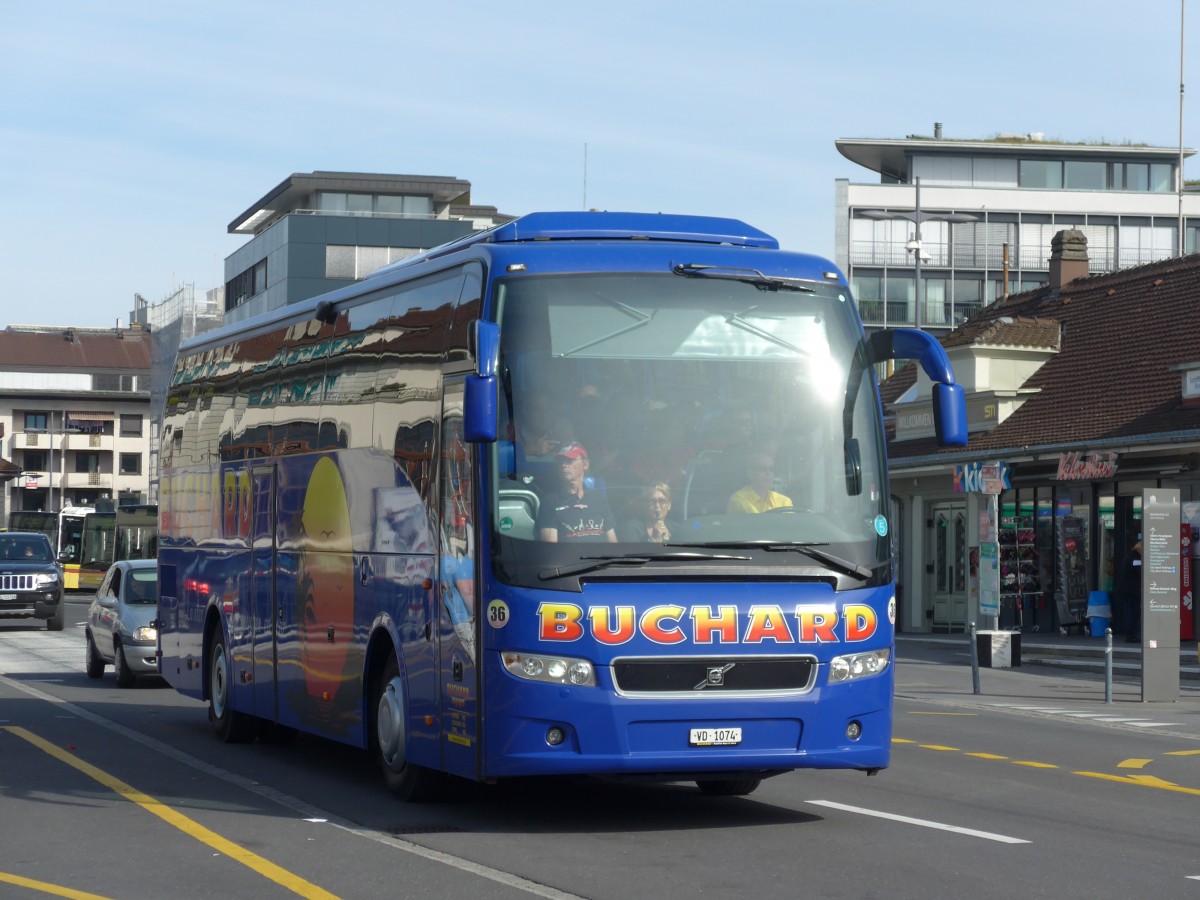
{"points": [[714, 677]]}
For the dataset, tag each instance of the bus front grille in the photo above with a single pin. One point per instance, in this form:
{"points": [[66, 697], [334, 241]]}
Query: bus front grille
{"points": [[707, 675]]}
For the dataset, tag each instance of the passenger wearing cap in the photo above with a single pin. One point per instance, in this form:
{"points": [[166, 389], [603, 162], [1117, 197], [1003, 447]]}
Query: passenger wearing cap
{"points": [[572, 513]]}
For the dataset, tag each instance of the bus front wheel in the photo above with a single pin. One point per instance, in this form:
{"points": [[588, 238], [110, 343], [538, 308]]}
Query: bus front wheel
{"points": [[729, 787], [231, 726], [408, 781]]}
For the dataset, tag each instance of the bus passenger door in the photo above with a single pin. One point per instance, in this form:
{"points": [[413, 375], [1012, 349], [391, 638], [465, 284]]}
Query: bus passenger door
{"points": [[457, 623], [257, 523]]}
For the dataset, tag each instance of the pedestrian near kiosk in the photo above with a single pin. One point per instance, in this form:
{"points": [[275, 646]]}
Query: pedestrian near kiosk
{"points": [[1129, 585]]}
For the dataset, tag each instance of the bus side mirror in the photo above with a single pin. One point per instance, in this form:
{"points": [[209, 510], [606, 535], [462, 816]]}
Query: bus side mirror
{"points": [[479, 409], [949, 398], [480, 402], [950, 414]]}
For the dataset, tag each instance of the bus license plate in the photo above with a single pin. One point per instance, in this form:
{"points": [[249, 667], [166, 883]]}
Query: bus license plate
{"points": [[715, 737]]}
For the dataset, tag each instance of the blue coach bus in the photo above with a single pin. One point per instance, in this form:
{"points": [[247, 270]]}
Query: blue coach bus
{"points": [[586, 493]]}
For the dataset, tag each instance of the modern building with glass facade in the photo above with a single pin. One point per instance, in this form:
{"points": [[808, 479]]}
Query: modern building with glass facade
{"points": [[1008, 196], [319, 231]]}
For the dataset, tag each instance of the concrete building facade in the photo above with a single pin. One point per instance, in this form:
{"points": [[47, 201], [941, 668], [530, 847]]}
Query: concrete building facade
{"points": [[987, 211], [316, 232], [74, 417]]}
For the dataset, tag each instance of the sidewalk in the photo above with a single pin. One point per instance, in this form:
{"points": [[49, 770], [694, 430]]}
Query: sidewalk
{"points": [[1057, 672], [1079, 653]]}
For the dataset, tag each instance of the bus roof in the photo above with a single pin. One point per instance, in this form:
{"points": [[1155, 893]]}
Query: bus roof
{"points": [[602, 226], [640, 232]]}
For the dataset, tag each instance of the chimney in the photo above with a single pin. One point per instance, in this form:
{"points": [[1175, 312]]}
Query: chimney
{"points": [[1068, 257], [937, 131]]}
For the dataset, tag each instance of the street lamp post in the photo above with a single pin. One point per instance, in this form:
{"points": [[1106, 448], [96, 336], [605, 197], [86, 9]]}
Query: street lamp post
{"points": [[914, 245]]}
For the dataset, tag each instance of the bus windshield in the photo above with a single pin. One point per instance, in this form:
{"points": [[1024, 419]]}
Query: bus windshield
{"points": [[654, 419]]}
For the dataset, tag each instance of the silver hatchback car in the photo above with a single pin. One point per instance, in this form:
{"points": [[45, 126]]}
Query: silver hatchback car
{"points": [[120, 627]]}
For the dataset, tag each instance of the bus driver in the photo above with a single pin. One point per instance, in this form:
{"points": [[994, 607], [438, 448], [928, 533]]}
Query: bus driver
{"points": [[572, 513]]}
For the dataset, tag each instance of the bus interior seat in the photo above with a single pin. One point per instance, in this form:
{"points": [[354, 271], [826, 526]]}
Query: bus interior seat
{"points": [[518, 505], [708, 486]]}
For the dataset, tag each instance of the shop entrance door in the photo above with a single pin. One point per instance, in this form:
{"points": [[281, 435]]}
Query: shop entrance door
{"points": [[946, 574]]}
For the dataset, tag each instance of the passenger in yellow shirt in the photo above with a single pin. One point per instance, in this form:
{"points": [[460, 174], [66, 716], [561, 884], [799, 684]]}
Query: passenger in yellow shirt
{"points": [[757, 496]]}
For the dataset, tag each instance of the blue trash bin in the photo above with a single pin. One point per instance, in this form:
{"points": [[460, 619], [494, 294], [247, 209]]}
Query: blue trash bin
{"points": [[1099, 624]]}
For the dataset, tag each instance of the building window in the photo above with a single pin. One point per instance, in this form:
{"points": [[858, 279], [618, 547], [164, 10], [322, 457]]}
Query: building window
{"points": [[1156, 177], [1083, 175], [131, 464], [242, 287], [1041, 173], [35, 421], [868, 291], [347, 204], [35, 461], [131, 426], [115, 383], [348, 263], [87, 461]]}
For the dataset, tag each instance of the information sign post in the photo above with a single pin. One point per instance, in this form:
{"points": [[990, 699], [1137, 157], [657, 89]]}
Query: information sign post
{"points": [[1160, 594]]}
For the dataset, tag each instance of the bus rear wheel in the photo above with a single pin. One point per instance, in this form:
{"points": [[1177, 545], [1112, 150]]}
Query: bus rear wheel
{"points": [[231, 726], [389, 733], [729, 787]]}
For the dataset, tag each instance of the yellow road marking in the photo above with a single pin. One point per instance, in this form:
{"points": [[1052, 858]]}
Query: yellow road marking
{"points": [[264, 867], [1150, 781], [46, 888], [1142, 781], [1134, 763]]}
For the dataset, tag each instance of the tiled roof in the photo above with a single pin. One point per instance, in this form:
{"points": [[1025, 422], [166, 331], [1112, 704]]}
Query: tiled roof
{"points": [[90, 350], [1118, 336], [996, 329]]}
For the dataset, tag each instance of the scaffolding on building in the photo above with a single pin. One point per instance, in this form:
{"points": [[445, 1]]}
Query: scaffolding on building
{"points": [[173, 320]]}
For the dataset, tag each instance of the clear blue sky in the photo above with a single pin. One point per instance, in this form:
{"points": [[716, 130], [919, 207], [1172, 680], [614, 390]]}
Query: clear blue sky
{"points": [[132, 133]]}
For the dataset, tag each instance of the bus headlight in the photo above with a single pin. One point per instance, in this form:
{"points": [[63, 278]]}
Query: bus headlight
{"points": [[550, 669], [858, 665]]}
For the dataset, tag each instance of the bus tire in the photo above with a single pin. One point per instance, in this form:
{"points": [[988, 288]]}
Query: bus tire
{"points": [[125, 675], [57, 621], [729, 787], [231, 726], [91, 659], [408, 781]]}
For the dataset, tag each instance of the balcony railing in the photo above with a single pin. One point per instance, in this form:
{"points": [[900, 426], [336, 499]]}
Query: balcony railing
{"points": [[991, 257], [897, 314]]}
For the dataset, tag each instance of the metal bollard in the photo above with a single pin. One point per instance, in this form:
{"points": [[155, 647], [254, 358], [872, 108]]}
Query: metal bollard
{"points": [[974, 661], [1108, 665]]}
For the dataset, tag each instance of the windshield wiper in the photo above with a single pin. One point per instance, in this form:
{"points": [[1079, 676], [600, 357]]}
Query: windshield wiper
{"points": [[747, 276], [631, 559], [808, 548]]}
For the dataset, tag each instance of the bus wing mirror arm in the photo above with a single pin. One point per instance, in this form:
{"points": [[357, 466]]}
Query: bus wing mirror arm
{"points": [[949, 398], [480, 391]]}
